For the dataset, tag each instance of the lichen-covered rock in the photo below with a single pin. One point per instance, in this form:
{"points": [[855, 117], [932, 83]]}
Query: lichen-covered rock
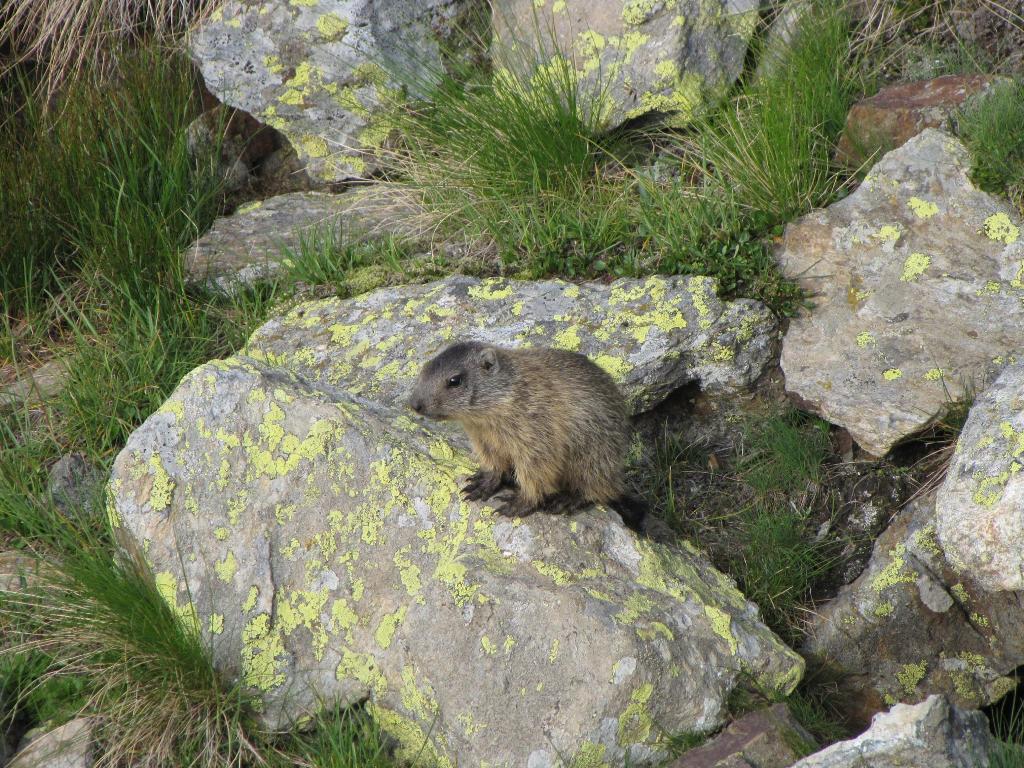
{"points": [[651, 335], [980, 506], [911, 626], [251, 244], [633, 57], [932, 734], [918, 281], [316, 69], [319, 543]]}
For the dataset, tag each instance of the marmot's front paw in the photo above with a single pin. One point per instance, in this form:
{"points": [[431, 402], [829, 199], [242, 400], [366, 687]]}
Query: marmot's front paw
{"points": [[481, 485]]}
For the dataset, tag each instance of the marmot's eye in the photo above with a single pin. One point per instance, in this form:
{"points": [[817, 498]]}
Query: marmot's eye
{"points": [[455, 380]]}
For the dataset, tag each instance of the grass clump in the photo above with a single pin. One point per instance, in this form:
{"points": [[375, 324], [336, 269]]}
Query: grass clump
{"points": [[522, 162], [990, 129], [755, 512]]}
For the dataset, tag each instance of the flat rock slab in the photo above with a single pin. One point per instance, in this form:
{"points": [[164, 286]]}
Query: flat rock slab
{"points": [[318, 542], [250, 245], [932, 734], [632, 57], [652, 336], [897, 113], [319, 70], [980, 506], [67, 746], [911, 625], [918, 281]]}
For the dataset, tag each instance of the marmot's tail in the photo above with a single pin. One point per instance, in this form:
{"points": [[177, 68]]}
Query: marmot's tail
{"points": [[633, 510]]}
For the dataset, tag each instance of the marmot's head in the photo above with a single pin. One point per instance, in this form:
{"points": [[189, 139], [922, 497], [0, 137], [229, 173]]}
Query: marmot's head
{"points": [[465, 379]]}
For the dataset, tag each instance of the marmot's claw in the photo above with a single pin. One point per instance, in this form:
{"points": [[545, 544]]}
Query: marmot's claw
{"points": [[481, 485]]}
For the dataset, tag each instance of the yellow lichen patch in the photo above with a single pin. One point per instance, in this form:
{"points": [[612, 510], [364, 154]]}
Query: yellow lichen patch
{"points": [[331, 27], [635, 12], [553, 654], [302, 608], [216, 623], [999, 227], [261, 648], [488, 292], [250, 599], [167, 588], [409, 572], [635, 721], [889, 234], [488, 645], [163, 486], [415, 746], [923, 209], [590, 755], [884, 609], [865, 338], [385, 633], [933, 374], [893, 573], [567, 338], [914, 266], [361, 667], [616, 367], [910, 675], [313, 146], [226, 568], [721, 623], [891, 374]]}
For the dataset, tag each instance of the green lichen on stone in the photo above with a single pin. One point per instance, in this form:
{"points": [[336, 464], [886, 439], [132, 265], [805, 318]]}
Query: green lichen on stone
{"points": [[163, 486], [910, 675], [262, 648], [415, 746], [915, 266], [999, 227], [891, 374], [590, 755], [893, 573], [332, 27], [884, 609], [721, 623], [227, 568], [635, 721], [923, 209]]}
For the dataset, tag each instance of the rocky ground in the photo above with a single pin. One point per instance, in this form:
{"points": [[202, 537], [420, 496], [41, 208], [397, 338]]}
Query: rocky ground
{"points": [[238, 526]]}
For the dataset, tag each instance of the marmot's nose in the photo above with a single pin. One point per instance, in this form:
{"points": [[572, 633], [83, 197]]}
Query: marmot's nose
{"points": [[416, 404]]}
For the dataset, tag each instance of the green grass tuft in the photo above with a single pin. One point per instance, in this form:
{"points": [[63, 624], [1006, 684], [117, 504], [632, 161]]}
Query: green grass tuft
{"points": [[991, 130]]}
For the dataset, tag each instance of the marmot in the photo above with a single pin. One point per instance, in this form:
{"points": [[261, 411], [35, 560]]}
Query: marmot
{"points": [[550, 420]]}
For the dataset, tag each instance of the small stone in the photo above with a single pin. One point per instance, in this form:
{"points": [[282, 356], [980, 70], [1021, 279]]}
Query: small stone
{"points": [[897, 113], [73, 484], [767, 738], [68, 746]]}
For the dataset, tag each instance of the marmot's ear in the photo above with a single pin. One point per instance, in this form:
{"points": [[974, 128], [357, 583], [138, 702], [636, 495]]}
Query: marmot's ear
{"points": [[488, 359]]}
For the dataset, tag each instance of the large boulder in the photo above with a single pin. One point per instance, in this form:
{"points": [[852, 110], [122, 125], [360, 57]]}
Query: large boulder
{"points": [[66, 746], [766, 738], [911, 625], [917, 280], [323, 72], [932, 734], [318, 541], [652, 336], [635, 57], [980, 507]]}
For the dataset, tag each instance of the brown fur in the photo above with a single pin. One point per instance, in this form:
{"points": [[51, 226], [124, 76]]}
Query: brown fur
{"points": [[551, 419]]}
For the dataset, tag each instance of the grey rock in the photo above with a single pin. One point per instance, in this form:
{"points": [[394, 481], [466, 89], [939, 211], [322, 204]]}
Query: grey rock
{"points": [[917, 282], [780, 35], [318, 542], [634, 57], [932, 734], [980, 506], [318, 70], [73, 483], [652, 335], [911, 625], [68, 746], [251, 244], [205, 144]]}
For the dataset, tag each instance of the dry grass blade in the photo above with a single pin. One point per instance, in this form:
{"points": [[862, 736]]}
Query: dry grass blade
{"points": [[64, 38]]}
